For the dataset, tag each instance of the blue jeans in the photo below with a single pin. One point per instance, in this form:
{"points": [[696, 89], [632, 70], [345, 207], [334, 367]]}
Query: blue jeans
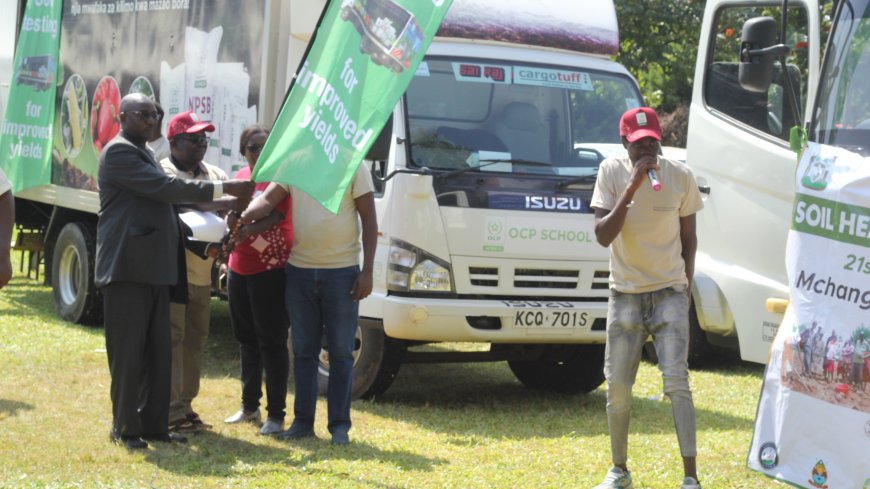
{"points": [[664, 315], [318, 301]]}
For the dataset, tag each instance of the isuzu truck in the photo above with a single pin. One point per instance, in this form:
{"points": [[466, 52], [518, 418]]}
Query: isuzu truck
{"points": [[484, 174]]}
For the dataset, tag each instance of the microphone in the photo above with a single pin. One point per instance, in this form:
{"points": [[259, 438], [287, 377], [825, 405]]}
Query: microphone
{"points": [[654, 180]]}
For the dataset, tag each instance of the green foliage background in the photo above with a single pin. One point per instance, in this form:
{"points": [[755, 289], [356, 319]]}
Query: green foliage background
{"points": [[658, 45]]}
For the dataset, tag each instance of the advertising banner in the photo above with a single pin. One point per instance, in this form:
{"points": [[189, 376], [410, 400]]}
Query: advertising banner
{"points": [[813, 422], [361, 60], [200, 55], [25, 139]]}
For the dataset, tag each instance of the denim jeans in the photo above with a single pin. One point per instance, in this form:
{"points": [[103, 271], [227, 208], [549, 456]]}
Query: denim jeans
{"points": [[318, 301], [664, 315], [260, 326]]}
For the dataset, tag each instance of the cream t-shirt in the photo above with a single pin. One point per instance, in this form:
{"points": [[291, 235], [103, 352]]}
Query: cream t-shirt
{"points": [[198, 270], [322, 239], [646, 254]]}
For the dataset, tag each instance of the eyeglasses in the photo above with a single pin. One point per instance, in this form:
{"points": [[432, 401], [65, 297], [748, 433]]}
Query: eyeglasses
{"points": [[144, 114], [194, 138], [254, 148]]}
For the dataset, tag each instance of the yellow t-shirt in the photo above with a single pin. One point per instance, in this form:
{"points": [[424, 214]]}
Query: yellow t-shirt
{"points": [[646, 254], [198, 270], [322, 239]]}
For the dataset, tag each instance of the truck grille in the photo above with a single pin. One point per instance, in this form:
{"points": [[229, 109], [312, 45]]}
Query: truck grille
{"points": [[536, 278]]}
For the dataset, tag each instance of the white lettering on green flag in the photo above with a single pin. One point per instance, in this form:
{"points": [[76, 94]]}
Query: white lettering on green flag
{"points": [[363, 56], [811, 427], [25, 135]]}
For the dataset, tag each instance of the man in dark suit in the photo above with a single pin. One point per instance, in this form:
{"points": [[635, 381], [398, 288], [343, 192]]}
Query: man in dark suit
{"points": [[139, 256]]}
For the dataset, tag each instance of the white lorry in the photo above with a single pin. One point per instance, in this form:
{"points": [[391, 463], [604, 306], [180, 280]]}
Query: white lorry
{"points": [[483, 177], [743, 106]]}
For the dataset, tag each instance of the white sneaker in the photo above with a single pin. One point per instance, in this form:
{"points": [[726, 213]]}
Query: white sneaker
{"points": [[242, 415], [616, 479], [272, 426], [690, 483]]}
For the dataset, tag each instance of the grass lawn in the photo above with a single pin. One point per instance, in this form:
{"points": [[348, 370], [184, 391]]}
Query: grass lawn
{"points": [[439, 426]]}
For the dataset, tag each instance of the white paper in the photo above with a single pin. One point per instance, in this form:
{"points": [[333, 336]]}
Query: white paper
{"points": [[206, 226]]}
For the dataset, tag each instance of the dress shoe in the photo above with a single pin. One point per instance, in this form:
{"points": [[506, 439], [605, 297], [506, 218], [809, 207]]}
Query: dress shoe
{"points": [[296, 432], [340, 438], [128, 441], [170, 437], [182, 424], [242, 416], [197, 422]]}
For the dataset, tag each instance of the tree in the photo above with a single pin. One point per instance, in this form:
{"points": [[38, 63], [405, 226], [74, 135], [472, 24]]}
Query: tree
{"points": [[658, 45]]}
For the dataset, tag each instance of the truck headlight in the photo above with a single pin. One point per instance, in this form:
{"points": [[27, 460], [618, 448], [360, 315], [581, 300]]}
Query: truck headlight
{"points": [[412, 269]]}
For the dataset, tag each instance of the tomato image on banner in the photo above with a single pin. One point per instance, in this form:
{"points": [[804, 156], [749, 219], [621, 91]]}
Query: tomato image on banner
{"points": [[105, 113]]}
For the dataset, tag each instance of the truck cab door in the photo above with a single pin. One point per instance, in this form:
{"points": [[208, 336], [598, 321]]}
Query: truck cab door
{"points": [[739, 151]]}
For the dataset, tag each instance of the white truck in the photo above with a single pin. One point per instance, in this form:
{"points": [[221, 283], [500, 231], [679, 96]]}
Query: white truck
{"points": [[743, 106], [484, 174]]}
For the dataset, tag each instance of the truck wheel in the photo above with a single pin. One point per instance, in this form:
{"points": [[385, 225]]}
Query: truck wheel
{"points": [[701, 352], [76, 298], [376, 362], [581, 370]]}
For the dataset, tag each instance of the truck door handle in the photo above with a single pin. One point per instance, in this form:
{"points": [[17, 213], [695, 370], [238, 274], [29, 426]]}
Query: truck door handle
{"points": [[704, 189]]}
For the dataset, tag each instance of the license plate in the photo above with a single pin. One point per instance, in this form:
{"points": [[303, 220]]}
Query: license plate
{"points": [[547, 318]]}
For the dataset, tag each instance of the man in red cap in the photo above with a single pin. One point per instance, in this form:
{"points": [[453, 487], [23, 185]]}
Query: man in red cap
{"points": [[645, 209], [188, 142]]}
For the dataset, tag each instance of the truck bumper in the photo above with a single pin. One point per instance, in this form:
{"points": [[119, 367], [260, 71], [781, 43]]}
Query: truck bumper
{"points": [[494, 321]]}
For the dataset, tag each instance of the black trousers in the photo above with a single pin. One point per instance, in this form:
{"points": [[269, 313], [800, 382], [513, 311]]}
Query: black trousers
{"points": [[138, 346], [260, 325]]}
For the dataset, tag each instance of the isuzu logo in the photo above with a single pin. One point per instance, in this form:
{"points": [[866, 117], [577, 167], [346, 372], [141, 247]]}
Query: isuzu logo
{"points": [[554, 203]]}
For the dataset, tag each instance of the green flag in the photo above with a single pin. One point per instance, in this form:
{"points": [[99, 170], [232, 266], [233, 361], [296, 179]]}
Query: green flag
{"points": [[25, 139], [361, 60]]}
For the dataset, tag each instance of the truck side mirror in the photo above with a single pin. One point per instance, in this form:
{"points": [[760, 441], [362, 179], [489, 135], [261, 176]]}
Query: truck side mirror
{"points": [[755, 71], [380, 149]]}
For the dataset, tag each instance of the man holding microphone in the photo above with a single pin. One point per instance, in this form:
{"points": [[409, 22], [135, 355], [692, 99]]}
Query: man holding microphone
{"points": [[645, 209]]}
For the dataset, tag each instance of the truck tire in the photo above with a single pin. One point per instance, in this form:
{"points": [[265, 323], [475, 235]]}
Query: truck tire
{"points": [[376, 362], [76, 297], [701, 352], [580, 371]]}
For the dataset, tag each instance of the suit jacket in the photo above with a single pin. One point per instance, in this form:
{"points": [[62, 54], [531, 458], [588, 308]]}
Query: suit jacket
{"points": [[138, 236]]}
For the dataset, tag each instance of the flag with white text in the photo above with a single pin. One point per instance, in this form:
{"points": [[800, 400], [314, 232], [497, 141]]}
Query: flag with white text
{"points": [[362, 59], [26, 135]]}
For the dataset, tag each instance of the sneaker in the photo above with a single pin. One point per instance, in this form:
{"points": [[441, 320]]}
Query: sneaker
{"points": [[197, 422], [296, 432], [690, 483], [242, 416], [616, 479], [272, 426]]}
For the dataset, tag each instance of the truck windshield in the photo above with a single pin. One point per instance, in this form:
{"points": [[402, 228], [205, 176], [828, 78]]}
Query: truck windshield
{"points": [[504, 117], [843, 116]]}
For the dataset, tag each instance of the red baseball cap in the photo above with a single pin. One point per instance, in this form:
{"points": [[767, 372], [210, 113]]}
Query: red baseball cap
{"points": [[640, 123], [187, 123]]}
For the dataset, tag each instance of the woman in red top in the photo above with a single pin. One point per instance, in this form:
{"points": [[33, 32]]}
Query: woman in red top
{"points": [[256, 296]]}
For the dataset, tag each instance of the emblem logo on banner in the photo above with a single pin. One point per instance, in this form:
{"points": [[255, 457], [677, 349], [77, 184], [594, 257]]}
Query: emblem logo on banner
{"points": [[819, 476], [768, 456]]}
